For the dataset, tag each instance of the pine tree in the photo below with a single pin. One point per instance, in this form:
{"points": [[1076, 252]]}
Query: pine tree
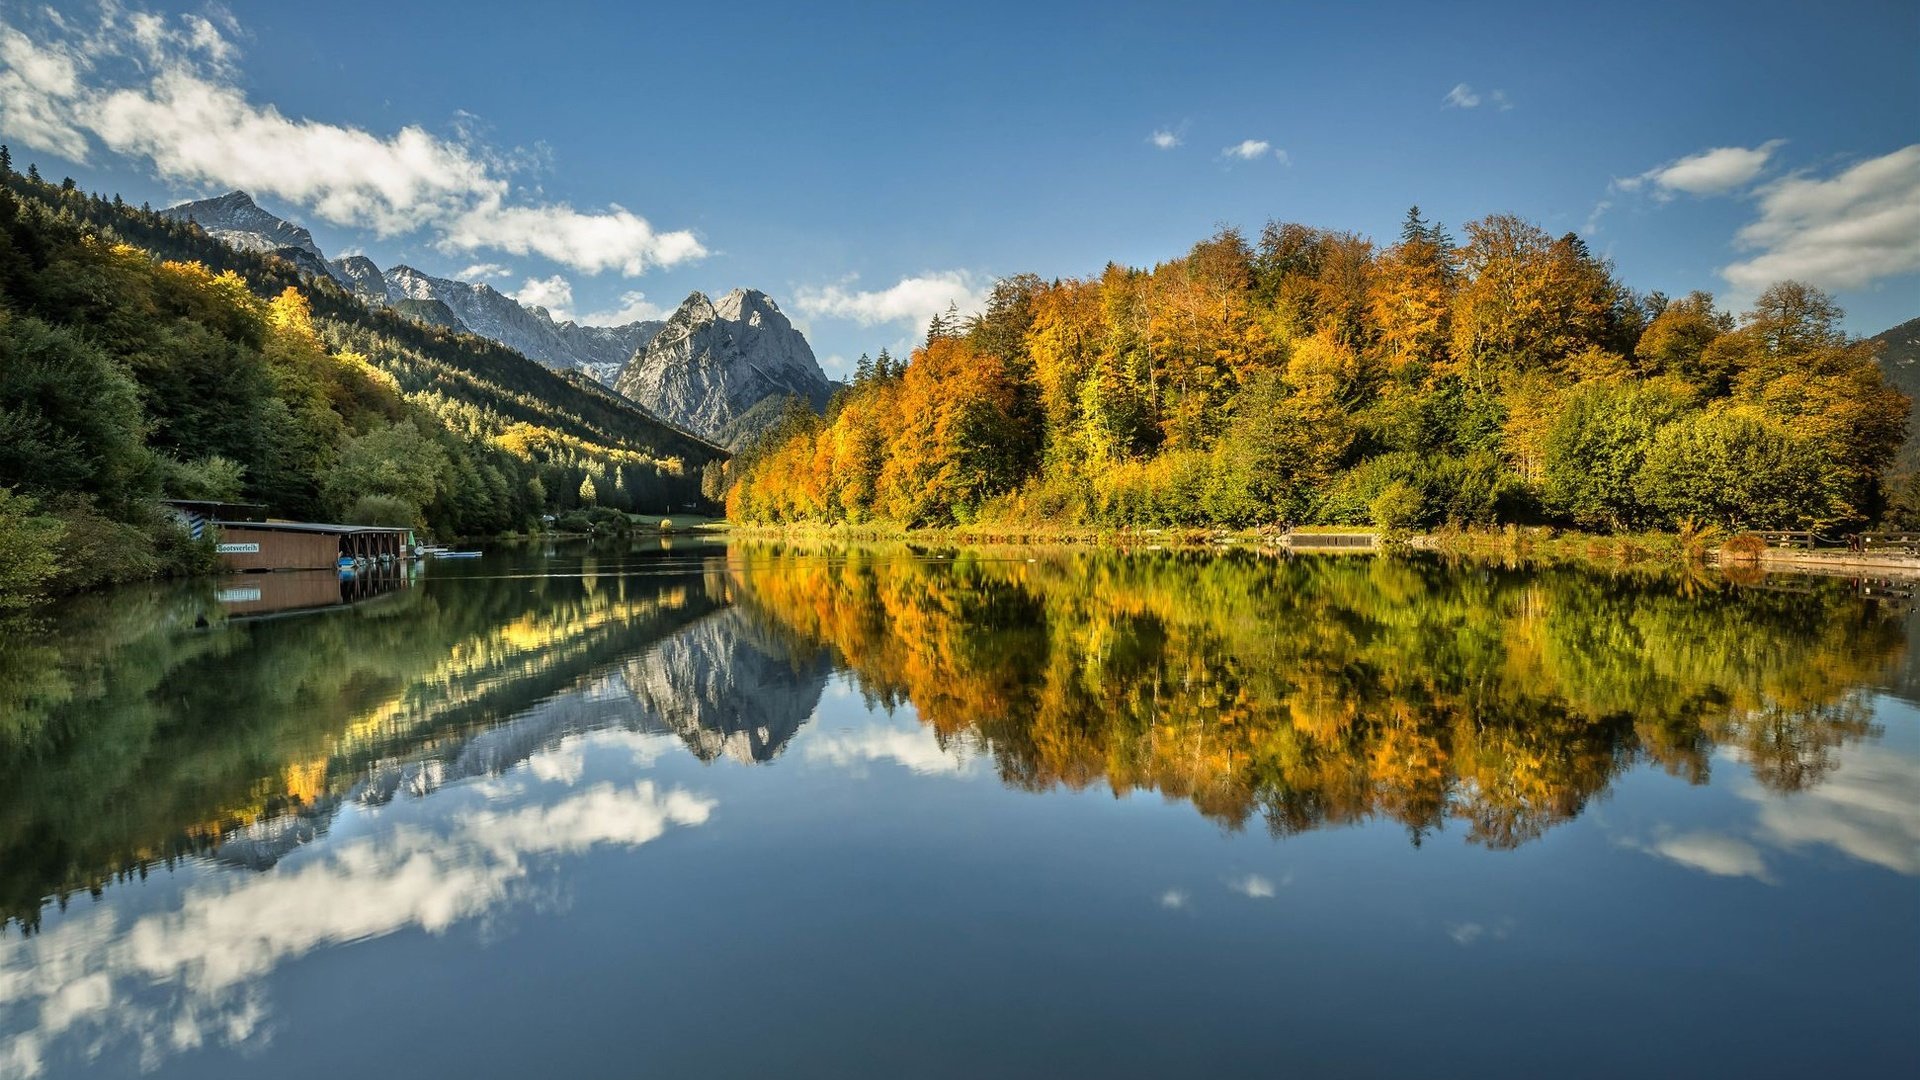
{"points": [[6, 160], [883, 366], [1415, 228], [588, 494], [33, 172], [863, 370]]}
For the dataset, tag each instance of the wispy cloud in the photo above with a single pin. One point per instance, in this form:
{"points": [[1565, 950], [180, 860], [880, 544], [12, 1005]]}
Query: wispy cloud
{"points": [[1463, 96], [1845, 231], [1164, 139], [1254, 150], [632, 307], [911, 300], [167, 92], [483, 271], [1710, 172], [1174, 899]]}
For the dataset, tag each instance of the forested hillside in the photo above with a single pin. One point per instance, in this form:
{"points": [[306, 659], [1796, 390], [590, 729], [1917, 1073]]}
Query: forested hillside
{"points": [[1310, 377], [140, 359]]}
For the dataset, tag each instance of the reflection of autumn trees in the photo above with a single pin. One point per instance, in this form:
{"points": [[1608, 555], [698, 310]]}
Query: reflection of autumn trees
{"points": [[1310, 692]]}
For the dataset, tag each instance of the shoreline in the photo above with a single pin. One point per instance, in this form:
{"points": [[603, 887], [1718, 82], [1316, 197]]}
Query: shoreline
{"points": [[1593, 549]]}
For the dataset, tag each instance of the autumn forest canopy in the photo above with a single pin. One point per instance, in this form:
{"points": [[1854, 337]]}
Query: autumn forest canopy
{"points": [[1312, 376]]}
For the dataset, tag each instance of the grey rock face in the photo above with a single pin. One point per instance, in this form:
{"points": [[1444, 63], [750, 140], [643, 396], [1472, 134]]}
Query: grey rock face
{"points": [[235, 220], [601, 351], [531, 331], [714, 360], [361, 277]]}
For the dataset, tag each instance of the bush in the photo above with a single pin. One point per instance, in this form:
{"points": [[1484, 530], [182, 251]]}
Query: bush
{"points": [[29, 543], [573, 521], [1745, 547], [96, 551], [1398, 507]]}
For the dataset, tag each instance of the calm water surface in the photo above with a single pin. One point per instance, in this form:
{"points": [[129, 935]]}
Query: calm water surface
{"points": [[756, 811]]}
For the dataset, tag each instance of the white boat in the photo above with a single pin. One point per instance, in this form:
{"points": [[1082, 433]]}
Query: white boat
{"points": [[456, 554]]}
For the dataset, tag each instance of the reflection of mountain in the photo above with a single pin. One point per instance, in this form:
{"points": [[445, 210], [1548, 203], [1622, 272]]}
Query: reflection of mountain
{"points": [[727, 685], [243, 740]]}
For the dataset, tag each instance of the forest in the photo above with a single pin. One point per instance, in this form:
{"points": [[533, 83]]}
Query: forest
{"points": [[1310, 377], [142, 360]]}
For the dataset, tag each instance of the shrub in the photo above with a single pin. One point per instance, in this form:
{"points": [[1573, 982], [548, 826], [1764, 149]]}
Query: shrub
{"points": [[96, 551], [1397, 508], [29, 544], [1744, 547]]}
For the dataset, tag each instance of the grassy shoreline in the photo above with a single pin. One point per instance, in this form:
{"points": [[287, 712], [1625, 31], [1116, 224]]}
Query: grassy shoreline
{"points": [[1539, 543]]}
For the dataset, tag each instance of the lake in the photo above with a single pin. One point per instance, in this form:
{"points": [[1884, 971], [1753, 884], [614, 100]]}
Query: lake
{"points": [[690, 809]]}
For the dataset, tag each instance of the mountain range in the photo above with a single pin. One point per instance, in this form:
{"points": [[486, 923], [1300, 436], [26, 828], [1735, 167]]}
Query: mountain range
{"points": [[704, 369]]}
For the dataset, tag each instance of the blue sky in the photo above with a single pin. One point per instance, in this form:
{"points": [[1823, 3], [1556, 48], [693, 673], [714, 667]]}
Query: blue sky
{"points": [[865, 163]]}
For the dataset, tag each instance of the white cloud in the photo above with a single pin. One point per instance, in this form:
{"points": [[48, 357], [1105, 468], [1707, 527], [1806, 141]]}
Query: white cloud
{"points": [[482, 271], [1463, 96], [633, 307], [166, 93], [1845, 231], [1164, 139], [1173, 899], [912, 300], [1709, 172], [553, 293], [1593, 218], [1253, 887], [1254, 150], [592, 242]]}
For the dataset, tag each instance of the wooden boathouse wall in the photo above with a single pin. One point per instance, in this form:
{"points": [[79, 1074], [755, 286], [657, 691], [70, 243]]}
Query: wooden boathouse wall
{"points": [[299, 545]]}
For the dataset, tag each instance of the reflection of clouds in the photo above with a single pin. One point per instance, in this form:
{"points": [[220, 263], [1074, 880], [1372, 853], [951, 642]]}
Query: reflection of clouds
{"points": [[176, 979], [564, 764], [1714, 853], [1868, 807], [1253, 887], [915, 748], [1465, 934]]}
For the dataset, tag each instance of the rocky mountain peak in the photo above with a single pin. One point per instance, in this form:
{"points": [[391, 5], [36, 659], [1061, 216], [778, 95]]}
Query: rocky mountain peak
{"points": [[714, 361], [235, 219]]}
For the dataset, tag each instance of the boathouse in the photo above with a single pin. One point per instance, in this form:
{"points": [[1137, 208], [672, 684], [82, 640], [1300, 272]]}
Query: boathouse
{"points": [[306, 545]]}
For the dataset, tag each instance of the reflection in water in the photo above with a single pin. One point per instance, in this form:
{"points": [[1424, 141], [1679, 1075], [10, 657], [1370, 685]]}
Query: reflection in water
{"points": [[163, 724], [1303, 692], [1325, 691], [90, 980]]}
